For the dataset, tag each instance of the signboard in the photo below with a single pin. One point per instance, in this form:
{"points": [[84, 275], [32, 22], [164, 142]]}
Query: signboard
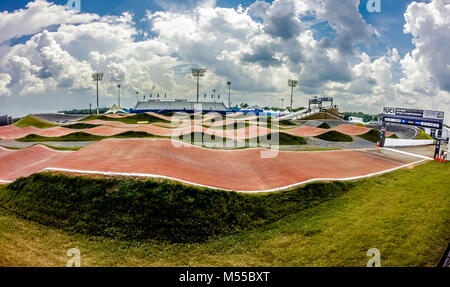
{"points": [[327, 99], [318, 101], [419, 118], [315, 101]]}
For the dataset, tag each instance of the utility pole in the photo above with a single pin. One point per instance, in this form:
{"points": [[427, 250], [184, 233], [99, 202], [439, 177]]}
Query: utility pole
{"points": [[292, 84], [97, 77]]}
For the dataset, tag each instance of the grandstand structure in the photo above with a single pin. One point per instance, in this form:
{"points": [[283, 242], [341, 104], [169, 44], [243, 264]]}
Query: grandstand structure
{"points": [[5, 120], [178, 105]]}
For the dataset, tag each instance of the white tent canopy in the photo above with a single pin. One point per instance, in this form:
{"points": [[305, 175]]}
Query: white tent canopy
{"points": [[115, 110]]}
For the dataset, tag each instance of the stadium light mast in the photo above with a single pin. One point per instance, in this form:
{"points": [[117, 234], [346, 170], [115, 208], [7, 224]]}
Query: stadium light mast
{"points": [[197, 72], [229, 94], [214, 93], [292, 84], [97, 77], [118, 91]]}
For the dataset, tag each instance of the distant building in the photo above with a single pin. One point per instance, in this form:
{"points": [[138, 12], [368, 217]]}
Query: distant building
{"points": [[167, 106], [5, 120]]}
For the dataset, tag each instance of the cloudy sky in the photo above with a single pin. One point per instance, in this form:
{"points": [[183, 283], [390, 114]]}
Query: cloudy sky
{"points": [[366, 60]]}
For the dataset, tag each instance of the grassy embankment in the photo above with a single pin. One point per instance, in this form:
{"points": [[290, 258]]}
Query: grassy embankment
{"points": [[393, 136], [32, 121], [423, 136], [372, 136], [405, 214], [128, 120], [137, 209], [324, 126], [80, 126], [206, 139], [335, 136]]}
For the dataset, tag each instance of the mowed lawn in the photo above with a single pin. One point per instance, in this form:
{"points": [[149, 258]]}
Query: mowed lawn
{"points": [[405, 214]]}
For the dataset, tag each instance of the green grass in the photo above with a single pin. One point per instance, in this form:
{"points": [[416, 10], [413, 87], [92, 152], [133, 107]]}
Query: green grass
{"points": [[135, 134], [281, 139], [398, 213], [284, 139], [63, 148], [80, 126], [82, 136], [287, 139], [335, 136], [128, 120], [393, 136], [324, 126], [78, 136], [287, 123], [164, 210], [359, 125], [232, 126], [372, 136], [11, 147], [33, 121], [423, 136]]}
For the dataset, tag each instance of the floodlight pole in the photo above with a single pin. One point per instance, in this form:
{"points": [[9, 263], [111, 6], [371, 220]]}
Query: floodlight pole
{"points": [[198, 73], [118, 90], [198, 87], [97, 77], [98, 108], [229, 94], [292, 84]]}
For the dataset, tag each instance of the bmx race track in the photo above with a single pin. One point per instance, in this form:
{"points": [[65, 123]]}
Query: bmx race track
{"points": [[238, 170]]}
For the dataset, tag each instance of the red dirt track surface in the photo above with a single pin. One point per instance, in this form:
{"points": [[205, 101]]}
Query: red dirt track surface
{"points": [[306, 131], [55, 132], [240, 170], [115, 124], [12, 132], [105, 131], [220, 128], [18, 163], [351, 130], [163, 117]]}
